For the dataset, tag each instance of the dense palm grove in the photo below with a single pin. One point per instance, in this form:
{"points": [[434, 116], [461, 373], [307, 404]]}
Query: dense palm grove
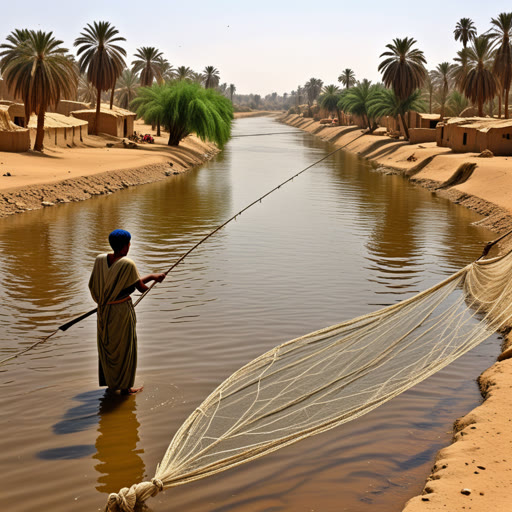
{"points": [[477, 81], [40, 71]]}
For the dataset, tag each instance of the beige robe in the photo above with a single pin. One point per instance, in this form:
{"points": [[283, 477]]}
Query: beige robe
{"points": [[117, 339]]}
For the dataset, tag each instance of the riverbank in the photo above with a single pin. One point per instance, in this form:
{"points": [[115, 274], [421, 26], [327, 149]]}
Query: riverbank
{"points": [[475, 471], [256, 113], [30, 181]]}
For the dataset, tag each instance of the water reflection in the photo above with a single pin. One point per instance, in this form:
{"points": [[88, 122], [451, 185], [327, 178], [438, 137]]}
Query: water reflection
{"points": [[334, 244], [119, 459]]}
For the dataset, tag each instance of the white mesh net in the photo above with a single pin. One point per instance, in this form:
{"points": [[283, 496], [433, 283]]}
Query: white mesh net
{"points": [[329, 377]]}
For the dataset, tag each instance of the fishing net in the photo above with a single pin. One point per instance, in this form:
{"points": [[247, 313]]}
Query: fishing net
{"points": [[332, 376]]}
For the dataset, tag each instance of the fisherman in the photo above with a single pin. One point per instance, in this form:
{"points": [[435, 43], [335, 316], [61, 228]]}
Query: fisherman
{"points": [[114, 278]]}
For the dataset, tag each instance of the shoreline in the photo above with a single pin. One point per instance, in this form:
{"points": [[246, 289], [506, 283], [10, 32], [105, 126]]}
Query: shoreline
{"points": [[475, 471], [483, 437], [38, 181], [101, 165]]}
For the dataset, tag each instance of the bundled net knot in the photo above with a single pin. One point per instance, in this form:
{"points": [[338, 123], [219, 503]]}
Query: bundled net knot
{"points": [[158, 484], [123, 501], [127, 498]]}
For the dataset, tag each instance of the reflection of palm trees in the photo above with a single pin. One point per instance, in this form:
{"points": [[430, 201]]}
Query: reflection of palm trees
{"points": [[116, 445], [394, 244]]}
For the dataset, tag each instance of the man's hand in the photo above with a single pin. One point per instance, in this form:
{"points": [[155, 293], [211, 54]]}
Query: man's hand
{"points": [[159, 277]]}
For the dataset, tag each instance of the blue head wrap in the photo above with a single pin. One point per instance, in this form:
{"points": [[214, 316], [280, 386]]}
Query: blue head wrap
{"points": [[119, 238]]}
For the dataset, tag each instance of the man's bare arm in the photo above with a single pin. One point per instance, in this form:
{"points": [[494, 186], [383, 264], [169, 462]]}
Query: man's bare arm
{"points": [[141, 285]]}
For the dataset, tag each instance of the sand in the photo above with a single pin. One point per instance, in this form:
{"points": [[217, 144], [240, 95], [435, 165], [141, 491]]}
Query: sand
{"points": [[256, 113], [62, 175], [475, 471]]}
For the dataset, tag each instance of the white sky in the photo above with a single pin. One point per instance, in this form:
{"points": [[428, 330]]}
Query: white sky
{"points": [[264, 46]]}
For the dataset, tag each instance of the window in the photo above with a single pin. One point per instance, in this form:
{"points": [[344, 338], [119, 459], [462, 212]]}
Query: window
{"points": [[464, 139]]}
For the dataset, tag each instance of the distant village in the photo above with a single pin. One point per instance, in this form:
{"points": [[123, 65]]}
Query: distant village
{"points": [[66, 125], [69, 123]]}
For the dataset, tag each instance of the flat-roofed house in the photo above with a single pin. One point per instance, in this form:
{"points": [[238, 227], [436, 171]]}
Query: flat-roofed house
{"points": [[474, 135], [59, 130], [116, 121], [13, 138]]}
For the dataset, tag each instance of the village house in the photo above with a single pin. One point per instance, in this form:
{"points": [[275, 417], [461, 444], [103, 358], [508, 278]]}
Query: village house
{"points": [[59, 130], [13, 138], [116, 121], [474, 135], [65, 107], [422, 126]]}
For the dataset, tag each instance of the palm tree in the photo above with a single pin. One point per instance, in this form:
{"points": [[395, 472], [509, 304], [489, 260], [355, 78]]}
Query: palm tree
{"points": [[428, 90], [442, 78], [347, 78], [232, 90], [166, 71], [356, 101], [300, 94], [128, 85], [38, 70], [460, 68], [148, 63], [403, 70], [184, 108], [386, 103], [480, 84], [211, 77], [313, 87], [329, 100], [196, 78], [101, 58], [456, 103], [184, 73], [500, 34], [15, 39], [465, 31], [86, 91]]}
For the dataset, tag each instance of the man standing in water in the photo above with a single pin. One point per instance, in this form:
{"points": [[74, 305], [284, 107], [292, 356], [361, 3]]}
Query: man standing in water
{"points": [[114, 278]]}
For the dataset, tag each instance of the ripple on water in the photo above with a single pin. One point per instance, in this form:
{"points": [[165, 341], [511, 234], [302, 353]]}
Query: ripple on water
{"points": [[337, 242]]}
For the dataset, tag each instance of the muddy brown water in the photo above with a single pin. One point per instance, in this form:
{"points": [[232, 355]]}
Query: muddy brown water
{"points": [[339, 241]]}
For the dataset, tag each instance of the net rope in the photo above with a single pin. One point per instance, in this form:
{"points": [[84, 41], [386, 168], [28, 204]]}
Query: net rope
{"points": [[329, 377]]}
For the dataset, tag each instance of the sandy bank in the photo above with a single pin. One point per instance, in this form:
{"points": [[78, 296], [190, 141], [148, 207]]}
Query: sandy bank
{"points": [[256, 113], [475, 472], [62, 175]]}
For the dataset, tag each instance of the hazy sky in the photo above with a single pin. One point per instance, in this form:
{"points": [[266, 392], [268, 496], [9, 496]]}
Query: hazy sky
{"points": [[264, 46]]}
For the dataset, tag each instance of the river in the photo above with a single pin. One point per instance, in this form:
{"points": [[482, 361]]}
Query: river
{"points": [[339, 241]]}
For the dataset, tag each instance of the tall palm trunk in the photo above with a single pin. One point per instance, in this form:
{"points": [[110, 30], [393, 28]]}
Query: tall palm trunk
{"points": [[499, 104], [112, 96], [38, 145], [158, 129], [507, 92], [367, 120], [406, 130], [97, 119], [480, 107]]}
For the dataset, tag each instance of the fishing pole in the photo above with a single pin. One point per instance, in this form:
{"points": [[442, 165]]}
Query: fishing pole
{"points": [[490, 244], [69, 324]]}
